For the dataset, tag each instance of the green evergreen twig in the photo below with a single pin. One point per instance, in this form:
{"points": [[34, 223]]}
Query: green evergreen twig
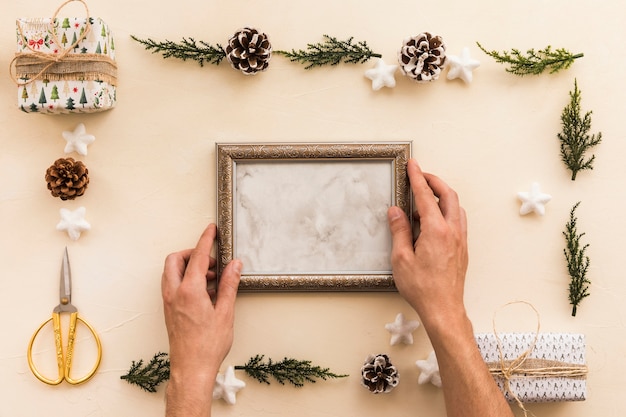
{"points": [[188, 48], [575, 139], [294, 371], [149, 377], [577, 261], [331, 52], [533, 62]]}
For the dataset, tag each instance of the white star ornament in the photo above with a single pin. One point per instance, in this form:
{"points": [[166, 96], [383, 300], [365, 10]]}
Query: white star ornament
{"points": [[429, 370], [227, 386], [78, 140], [73, 222], [401, 330], [382, 75], [462, 66], [533, 200]]}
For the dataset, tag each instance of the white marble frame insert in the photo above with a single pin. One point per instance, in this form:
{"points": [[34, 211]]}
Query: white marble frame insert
{"points": [[310, 217]]}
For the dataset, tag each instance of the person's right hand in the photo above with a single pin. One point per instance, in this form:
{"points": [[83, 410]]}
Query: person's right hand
{"points": [[430, 274], [200, 331]]}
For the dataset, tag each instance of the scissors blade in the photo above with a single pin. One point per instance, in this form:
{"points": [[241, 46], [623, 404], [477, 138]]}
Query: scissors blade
{"points": [[65, 289]]}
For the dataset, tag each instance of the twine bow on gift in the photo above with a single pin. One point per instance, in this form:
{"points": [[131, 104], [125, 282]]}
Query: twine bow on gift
{"points": [[33, 65], [523, 366]]}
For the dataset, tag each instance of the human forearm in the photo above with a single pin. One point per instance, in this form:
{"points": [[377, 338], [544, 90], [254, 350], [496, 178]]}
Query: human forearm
{"points": [[189, 398], [190, 388], [468, 387]]}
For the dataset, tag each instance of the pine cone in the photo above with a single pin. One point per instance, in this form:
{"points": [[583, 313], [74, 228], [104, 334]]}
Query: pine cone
{"points": [[422, 57], [67, 179], [249, 51], [379, 375]]}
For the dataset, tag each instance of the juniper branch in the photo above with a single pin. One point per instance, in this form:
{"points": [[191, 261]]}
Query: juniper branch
{"points": [[577, 261], [575, 138], [533, 62], [188, 48], [296, 372], [331, 52], [149, 377]]}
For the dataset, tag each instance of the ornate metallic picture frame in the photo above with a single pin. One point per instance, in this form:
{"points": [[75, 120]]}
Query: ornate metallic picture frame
{"points": [[310, 216]]}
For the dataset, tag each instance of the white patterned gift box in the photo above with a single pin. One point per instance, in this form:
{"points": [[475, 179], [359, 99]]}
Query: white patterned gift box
{"points": [[65, 65], [553, 369]]}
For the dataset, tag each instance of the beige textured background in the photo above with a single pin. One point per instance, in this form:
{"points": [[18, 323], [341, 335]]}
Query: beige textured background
{"points": [[153, 190]]}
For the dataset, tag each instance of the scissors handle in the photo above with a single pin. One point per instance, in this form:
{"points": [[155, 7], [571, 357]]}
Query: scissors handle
{"points": [[64, 361], [58, 350], [70, 351]]}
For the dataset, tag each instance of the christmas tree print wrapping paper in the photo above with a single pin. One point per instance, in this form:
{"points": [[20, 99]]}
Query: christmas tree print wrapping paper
{"points": [[554, 370], [65, 65]]}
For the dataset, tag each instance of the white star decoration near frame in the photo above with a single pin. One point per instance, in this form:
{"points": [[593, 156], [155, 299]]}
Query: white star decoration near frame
{"points": [[78, 140], [382, 75], [73, 222], [533, 200], [461, 66], [227, 386], [429, 370], [401, 330]]}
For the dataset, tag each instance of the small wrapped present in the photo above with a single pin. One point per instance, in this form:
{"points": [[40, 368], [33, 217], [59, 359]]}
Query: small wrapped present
{"points": [[65, 65], [531, 367]]}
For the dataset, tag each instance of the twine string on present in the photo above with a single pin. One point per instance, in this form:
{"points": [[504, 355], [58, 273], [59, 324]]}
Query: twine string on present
{"points": [[89, 66], [529, 367], [539, 368], [507, 370]]}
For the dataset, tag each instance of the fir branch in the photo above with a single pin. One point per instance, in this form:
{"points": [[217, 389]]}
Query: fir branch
{"points": [[188, 48], [533, 62], [331, 52], [149, 377], [577, 261], [294, 371], [575, 139]]}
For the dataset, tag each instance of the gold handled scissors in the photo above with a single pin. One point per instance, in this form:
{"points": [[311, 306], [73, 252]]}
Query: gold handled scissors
{"points": [[64, 358]]}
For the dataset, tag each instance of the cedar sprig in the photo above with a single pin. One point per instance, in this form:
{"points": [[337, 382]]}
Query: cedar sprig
{"points": [[575, 138], [533, 62], [294, 371], [331, 52], [149, 377], [188, 48], [577, 261]]}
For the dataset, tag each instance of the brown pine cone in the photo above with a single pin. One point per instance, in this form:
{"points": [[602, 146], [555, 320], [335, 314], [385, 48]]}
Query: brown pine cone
{"points": [[249, 51], [422, 57], [67, 179], [379, 375]]}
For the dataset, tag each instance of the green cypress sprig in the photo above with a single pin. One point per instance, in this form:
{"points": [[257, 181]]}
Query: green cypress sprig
{"points": [[533, 62], [294, 371], [577, 261], [331, 52], [575, 138], [187, 49], [149, 377]]}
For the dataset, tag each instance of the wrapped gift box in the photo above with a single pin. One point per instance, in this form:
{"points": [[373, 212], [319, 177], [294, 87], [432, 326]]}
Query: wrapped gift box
{"points": [[65, 65], [554, 370]]}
